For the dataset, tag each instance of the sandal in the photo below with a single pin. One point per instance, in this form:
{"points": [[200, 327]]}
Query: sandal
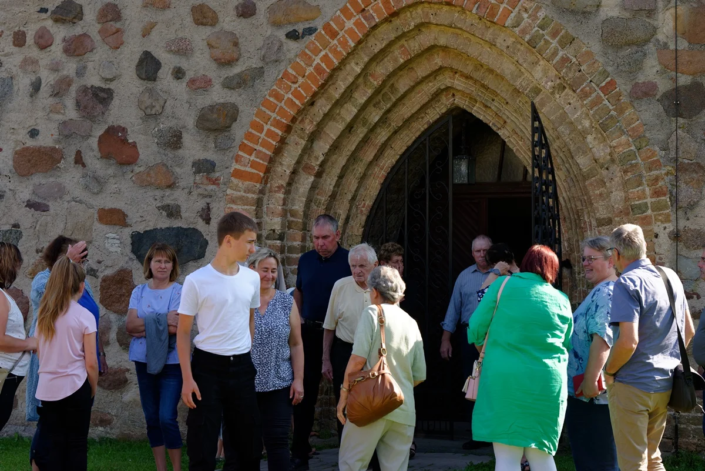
{"points": [[412, 450], [525, 466]]}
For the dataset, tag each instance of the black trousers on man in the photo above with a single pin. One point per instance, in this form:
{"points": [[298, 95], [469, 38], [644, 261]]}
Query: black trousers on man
{"points": [[227, 386], [339, 358], [304, 412]]}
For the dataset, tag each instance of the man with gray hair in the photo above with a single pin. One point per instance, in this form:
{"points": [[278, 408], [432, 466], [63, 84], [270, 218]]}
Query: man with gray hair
{"points": [[350, 296], [462, 304], [639, 371]]}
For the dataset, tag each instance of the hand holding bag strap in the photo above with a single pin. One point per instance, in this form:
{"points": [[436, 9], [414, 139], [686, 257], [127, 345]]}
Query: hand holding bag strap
{"points": [[681, 344], [380, 318], [487, 335]]}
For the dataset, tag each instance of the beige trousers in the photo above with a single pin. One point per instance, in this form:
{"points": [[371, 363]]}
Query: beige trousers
{"points": [[638, 422], [391, 439]]}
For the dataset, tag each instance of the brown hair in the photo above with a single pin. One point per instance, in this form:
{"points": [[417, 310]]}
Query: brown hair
{"points": [[165, 250], [64, 283], [234, 224], [389, 250], [542, 261], [56, 249], [10, 262]]}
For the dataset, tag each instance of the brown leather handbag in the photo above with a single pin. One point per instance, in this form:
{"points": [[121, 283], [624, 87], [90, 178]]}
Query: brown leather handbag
{"points": [[373, 393]]}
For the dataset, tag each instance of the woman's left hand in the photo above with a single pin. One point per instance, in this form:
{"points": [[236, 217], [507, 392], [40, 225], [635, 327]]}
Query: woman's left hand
{"points": [[103, 365], [341, 406], [296, 392]]}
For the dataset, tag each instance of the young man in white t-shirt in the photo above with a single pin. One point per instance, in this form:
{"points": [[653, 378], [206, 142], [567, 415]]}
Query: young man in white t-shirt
{"points": [[219, 380]]}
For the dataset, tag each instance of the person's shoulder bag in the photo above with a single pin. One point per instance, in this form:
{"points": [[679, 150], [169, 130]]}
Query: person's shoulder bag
{"points": [[373, 393], [684, 377], [4, 372], [472, 384]]}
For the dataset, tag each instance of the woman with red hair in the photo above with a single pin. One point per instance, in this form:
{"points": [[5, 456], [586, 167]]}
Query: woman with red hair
{"points": [[522, 397]]}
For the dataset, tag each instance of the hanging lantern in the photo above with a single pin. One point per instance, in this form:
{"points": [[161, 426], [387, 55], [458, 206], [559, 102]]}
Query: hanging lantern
{"points": [[464, 163]]}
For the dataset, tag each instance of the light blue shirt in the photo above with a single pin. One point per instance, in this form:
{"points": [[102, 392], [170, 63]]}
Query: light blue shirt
{"points": [[153, 301], [591, 317], [464, 300], [640, 296]]}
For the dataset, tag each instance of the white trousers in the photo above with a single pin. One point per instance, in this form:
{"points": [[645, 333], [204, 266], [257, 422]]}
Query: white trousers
{"points": [[392, 441], [508, 458]]}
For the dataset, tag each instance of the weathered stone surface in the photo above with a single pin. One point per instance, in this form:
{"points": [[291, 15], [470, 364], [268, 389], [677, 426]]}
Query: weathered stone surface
{"points": [[115, 291], [78, 159], [43, 37], [148, 66], [200, 82], [158, 175], [181, 46], [35, 268], [78, 45], [203, 15], [640, 5], [108, 71], [189, 243], [79, 127], [33, 133], [308, 31], [19, 38], [55, 65], [581, 6], [113, 144], [641, 90], [203, 166], [81, 70], [690, 237], [178, 72], [67, 11], [91, 182], [147, 28], [11, 236], [244, 79], [79, 222], [116, 378], [112, 243], [168, 137], [689, 62], [108, 12], [224, 141], [111, 35], [171, 211], [284, 12], [112, 217], [205, 213], [37, 206], [688, 149], [691, 97], [294, 35], [246, 9], [30, 65], [158, 4], [630, 59], [223, 47], [691, 181], [218, 117], [151, 102], [272, 49], [93, 101], [49, 191], [34, 86], [61, 86], [21, 299], [98, 418], [36, 159], [620, 32], [123, 338], [6, 88], [690, 23]]}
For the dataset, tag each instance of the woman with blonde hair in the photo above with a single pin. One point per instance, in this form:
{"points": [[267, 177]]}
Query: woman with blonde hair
{"points": [[68, 372]]}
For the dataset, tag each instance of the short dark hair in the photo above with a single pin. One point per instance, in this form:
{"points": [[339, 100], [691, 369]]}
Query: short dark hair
{"points": [[326, 219], [56, 249], [542, 261], [234, 224], [159, 248], [390, 250], [10, 261], [499, 253]]}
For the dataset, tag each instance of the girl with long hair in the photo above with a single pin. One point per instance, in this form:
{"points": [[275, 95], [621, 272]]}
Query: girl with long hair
{"points": [[68, 372]]}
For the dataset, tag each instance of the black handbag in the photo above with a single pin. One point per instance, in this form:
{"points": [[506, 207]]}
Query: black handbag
{"points": [[685, 379]]}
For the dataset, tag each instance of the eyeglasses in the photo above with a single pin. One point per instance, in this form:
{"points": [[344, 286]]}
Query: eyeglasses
{"points": [[590, 259]]}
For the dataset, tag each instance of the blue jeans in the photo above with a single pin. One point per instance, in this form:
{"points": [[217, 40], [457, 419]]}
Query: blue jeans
{"points": [[590, 434], [160, 394]]}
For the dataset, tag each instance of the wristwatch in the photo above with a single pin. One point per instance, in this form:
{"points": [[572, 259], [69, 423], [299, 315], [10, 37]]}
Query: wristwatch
{"points": [[496, 271]]}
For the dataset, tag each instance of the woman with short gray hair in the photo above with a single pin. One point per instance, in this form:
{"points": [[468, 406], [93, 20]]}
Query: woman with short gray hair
{"points": [[391, 435], [588, 415]]}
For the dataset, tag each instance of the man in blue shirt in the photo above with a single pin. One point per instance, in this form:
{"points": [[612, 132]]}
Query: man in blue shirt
{"points": [[699, 339], [318, 271], [639, 371], [462, 304]]}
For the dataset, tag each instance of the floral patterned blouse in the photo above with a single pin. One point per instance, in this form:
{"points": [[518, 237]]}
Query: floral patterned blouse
{"points": [[591, 317]]}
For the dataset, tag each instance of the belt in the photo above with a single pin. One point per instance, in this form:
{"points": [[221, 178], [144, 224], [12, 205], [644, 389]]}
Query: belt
{"points": [[316, 324]]}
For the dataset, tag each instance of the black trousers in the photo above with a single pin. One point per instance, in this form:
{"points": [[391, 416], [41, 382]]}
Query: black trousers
{"points": [[275, 411], [7, 397], [61, 440], [227, 386], [340, 356], [312, 337]]}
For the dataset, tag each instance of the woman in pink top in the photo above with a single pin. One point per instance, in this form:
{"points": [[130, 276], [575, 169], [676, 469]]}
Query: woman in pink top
{"points": [[68, 372]]}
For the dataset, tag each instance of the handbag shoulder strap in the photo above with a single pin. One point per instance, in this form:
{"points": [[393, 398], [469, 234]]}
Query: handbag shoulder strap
{"points": [[380, 319], [681, 344], [487, 335], [17, 362]]}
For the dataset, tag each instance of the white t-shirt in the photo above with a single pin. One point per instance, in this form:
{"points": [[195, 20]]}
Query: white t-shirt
{"points": [[221, 304]]}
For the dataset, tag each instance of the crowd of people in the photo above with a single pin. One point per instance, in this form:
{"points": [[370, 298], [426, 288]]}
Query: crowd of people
{"points": [[260, 353]]}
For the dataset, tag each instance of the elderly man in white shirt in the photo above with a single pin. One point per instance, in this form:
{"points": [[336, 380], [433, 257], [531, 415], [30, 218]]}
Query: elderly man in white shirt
{"points": [[350, 296]]}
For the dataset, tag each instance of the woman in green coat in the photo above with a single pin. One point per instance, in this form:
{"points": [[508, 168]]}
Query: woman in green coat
{"points": [[522, 395]]}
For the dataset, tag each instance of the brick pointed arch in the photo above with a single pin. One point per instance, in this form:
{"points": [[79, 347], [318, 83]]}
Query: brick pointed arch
{"points": [[380, 72]]}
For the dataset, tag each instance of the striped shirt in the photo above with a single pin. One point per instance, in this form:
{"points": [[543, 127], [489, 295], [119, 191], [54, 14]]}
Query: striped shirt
{"points": [[464, 300]]}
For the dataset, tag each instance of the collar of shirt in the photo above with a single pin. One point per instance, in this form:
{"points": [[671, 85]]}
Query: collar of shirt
{"points": [[359, 289], [641, 263], [323, 259]]}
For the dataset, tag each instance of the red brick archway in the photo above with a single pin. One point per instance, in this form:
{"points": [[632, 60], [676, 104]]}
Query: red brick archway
{"points": [[380, 72]]}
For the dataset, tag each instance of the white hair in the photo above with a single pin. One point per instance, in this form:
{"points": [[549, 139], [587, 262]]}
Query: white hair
{"points": [[363, 249], [479, 238], [629, 241], [388, 283]]}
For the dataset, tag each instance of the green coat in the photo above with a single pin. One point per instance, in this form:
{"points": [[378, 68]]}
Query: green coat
{"points": [[523, 390]]}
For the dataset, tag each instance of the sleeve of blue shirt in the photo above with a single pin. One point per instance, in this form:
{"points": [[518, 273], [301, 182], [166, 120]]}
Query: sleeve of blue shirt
{"points": [[175, 300], [454, 309], [598, 321], [299, 281], [625, 303]]}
